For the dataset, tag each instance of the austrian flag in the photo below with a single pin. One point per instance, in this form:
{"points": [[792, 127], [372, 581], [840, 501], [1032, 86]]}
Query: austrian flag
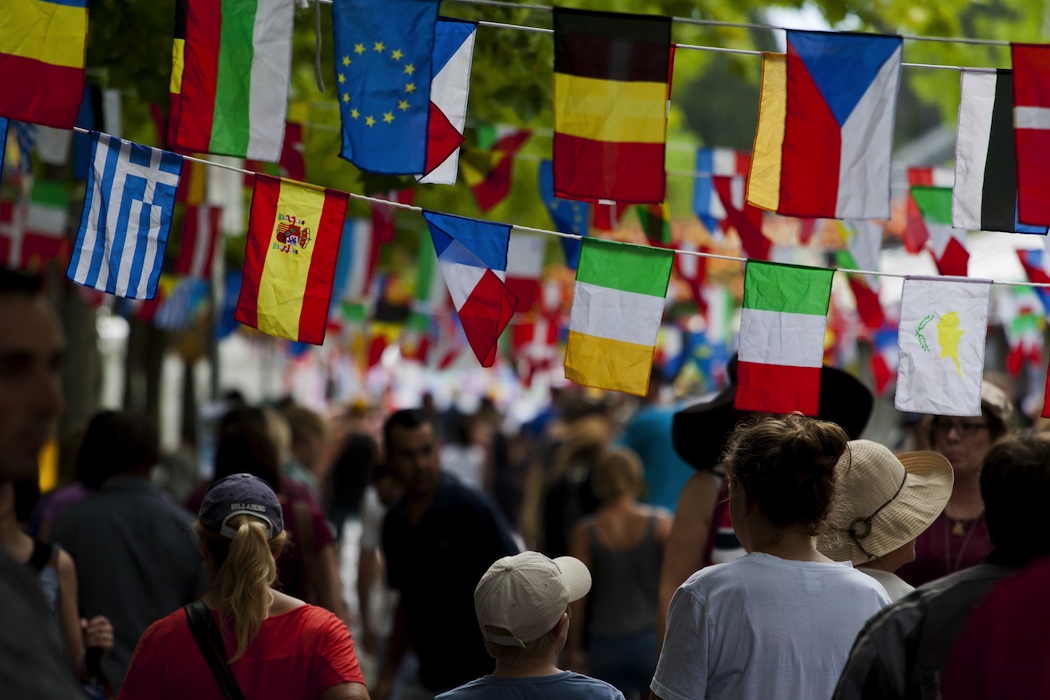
{"points": [[473, 257], [782, 329]]}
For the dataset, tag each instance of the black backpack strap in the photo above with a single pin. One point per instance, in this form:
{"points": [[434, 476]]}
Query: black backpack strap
{"points": [[208, 638]]}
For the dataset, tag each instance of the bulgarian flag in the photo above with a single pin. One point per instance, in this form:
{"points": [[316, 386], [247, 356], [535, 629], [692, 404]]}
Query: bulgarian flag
{"points": [[782, 328], [947, 244], [290, 257], [617, 305], [230, 65]]}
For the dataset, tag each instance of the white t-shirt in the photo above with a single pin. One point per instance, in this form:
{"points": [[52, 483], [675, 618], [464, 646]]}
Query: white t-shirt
{"points": [[896, 587], [763, 627]]}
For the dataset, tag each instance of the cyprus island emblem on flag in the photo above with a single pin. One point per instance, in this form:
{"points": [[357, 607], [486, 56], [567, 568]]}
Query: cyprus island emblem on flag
{"points": [[941, 338]]}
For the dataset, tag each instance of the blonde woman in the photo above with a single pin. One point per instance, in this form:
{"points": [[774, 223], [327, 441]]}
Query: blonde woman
{"points": [[277, 646], [623, 545]]}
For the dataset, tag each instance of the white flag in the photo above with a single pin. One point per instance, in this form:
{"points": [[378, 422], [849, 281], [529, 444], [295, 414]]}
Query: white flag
{"points": [[941, 339]]}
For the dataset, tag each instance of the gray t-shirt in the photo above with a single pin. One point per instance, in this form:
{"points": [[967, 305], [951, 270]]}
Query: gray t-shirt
{"points": [[763, 627], [562, 686], [32, 664]]}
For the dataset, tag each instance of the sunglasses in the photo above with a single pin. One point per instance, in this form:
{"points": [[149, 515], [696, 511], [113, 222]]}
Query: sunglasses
{"points": [[962, 428]]}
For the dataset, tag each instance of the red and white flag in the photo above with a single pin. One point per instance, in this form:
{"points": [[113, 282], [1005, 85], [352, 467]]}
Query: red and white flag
{"points": [[1031, 64], [200, 233]]}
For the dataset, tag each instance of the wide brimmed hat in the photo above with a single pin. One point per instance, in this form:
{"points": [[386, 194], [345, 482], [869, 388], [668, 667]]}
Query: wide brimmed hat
{"points": [[883, 501], [700, 432]]}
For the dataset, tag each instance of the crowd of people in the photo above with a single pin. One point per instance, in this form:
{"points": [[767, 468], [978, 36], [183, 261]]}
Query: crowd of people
{"points": [[601, 550]]}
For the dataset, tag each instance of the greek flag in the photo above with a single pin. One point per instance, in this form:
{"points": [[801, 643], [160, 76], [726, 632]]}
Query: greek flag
{"points": [[127, 215]]}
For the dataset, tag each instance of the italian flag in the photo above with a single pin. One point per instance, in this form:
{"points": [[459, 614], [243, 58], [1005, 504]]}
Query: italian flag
{"points": [[782, 329], [617, 305], [230, 65]]}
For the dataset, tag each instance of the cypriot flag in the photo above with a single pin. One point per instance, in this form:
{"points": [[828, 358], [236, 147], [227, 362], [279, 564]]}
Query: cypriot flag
{"points": [[941, 339]]}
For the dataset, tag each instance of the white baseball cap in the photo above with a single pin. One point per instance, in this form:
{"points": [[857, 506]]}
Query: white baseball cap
{"points": [[526, 594]]}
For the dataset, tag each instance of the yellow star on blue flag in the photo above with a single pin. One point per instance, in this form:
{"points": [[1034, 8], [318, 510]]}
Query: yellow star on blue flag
{"points": [[385, 36]]}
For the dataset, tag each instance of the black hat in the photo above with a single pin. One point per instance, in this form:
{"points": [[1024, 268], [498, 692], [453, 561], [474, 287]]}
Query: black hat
{"points": [[700, 432], [240, 494]]}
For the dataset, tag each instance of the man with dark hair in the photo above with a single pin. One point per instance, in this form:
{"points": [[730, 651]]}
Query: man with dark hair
{"points": [[902, 651], [137, 559], [32, 664], [438, 540]]}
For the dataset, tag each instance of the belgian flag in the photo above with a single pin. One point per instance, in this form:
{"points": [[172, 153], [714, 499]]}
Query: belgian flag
{"points": [[611, 77]]}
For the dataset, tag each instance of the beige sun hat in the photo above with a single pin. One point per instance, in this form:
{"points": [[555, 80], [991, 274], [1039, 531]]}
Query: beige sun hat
{"points": [[883, 500]]}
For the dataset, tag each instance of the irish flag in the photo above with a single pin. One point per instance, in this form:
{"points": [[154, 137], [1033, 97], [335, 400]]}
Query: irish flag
{"points": [[290, 257], [617, 305], [782, 328], [230, 64]]}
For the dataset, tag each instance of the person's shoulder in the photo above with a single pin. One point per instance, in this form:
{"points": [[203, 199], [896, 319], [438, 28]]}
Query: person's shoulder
{"points": [[477, 688], [580, 685], [175, 624]]}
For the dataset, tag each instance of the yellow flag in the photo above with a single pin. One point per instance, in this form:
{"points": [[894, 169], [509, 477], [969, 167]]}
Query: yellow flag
{"points": [[763, 182]]}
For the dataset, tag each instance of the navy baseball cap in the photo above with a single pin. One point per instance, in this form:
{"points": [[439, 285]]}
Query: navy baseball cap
{"points": [[240, 494]]}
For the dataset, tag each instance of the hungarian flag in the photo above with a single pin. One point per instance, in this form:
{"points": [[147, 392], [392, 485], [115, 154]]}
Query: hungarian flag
{"points": [[473, 257], [947, 244], [42, 50], [1031, 64], [449, 88], [290, 257], [985, 192], [611, 78], [838, 124], [230, 65], [915, 234], [782, 328], [488, 173]]}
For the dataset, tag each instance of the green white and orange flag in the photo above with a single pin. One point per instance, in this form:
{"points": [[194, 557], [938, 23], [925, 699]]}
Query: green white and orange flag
{"points": [[230, 64], [290, 257], [782, 327], [617, 305]]}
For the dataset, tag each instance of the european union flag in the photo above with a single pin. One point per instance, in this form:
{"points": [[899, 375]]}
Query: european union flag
{"points": [[568, 215], [383, 51]]}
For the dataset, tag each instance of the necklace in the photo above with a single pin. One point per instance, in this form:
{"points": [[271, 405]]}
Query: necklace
{"points": [[958, 528]]}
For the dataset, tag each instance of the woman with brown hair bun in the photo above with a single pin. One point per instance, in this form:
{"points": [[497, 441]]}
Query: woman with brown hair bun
{"points": [[264, 644], [778, 622]]}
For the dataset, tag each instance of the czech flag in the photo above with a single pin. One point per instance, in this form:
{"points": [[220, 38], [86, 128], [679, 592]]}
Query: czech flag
{"points": [[838, 129]]}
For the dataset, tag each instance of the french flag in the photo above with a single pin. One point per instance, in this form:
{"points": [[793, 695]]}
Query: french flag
{"points": [[473, 257], [838, 132]]}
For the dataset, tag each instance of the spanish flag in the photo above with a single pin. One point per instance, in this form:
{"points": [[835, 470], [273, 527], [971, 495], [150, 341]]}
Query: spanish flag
{"points": [[611, 77], [42, 46], [289, 259]]}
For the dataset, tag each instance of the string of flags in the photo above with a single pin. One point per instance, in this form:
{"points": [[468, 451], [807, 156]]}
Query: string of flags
{"points": [[403, 86]]}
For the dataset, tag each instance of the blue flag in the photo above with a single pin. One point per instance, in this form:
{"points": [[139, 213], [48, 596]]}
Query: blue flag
{"points": [[127, 216], [568, 215], [383, 53]]}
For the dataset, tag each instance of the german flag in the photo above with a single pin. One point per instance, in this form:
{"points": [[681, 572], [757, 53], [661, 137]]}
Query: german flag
{"points": [[611, 77]]}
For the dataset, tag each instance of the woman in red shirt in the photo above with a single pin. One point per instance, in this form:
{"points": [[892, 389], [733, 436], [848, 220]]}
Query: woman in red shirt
{"points": [[277, 646]]}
